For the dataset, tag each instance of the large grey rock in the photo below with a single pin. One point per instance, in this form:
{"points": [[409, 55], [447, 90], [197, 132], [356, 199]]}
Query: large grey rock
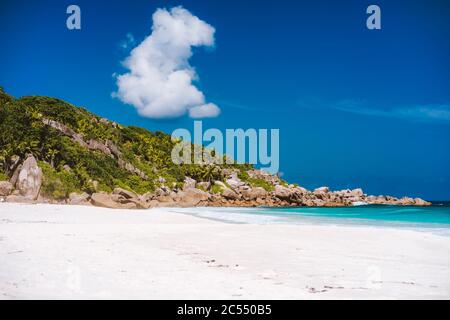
{"points": [[192, 197], [97, 145], [356, 192], [113, 148], [133, 203], [146, 197], [129, 205], [321, 190], [59, 126], [153, 204], [421, 202], [229, 194], [78, 198], [405, 201], [15, 175], [163, 191], [167, 200], [189, 183], [5, 188], [127, 199], [301, 190], [177, 196], [255, 193], [125, 193], [18, 199], [297, 195], [104, 200], [234, 182], [29, 180], [282, 193]]}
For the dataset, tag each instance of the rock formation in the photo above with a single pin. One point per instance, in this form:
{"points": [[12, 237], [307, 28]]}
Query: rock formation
{"points": [[83, 152], [30, 179], [6, 188], [232, 192]]}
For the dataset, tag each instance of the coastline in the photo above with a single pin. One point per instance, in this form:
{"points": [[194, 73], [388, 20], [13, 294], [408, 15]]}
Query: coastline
{"points": [[74, 252], [234, 187]]}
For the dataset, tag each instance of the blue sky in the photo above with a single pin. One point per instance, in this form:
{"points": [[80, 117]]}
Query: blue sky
{"points": [[355, 107]]}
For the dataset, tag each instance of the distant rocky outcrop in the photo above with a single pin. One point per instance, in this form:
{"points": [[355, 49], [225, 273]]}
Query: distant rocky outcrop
{"points": [[54, 152], [26, 181], [233, 192]]}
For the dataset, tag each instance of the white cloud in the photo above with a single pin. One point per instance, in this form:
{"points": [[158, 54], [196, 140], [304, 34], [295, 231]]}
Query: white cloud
{"points": [[209, 110], [159, 81], [431, 112], [428, 112]]}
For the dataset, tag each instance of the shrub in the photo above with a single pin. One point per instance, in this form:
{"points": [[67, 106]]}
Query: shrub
{"points": [[57, 185], [216, 189], [23, 132], [3, 177], [254, 182]]}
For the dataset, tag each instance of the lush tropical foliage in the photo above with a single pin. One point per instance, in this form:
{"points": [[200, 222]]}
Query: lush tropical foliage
{"points": [[69, 166]]}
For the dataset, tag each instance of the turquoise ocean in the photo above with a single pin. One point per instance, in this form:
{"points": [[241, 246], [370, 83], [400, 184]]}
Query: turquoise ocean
{"points": [[432, 218]]}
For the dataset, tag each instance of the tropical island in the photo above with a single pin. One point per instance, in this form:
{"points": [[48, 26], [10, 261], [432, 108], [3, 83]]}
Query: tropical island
{"points": [[54, 152], [199, 151]]}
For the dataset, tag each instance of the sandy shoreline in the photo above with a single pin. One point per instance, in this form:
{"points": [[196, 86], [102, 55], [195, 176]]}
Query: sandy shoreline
{"points": [[72, 252]]}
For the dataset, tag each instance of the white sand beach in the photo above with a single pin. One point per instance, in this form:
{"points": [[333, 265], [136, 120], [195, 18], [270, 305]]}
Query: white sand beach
{"points": [[74, 252]]}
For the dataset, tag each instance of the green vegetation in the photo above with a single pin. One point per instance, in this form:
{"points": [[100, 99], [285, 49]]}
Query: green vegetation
{"points": [[261, 183], [216, 189], [69, 166], [3, 176], [283, 183], [255, 182], [57, 185]]}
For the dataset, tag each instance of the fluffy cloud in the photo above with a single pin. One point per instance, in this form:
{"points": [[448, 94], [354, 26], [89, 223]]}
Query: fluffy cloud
{"points": [[208, 110], [159, 81]]}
